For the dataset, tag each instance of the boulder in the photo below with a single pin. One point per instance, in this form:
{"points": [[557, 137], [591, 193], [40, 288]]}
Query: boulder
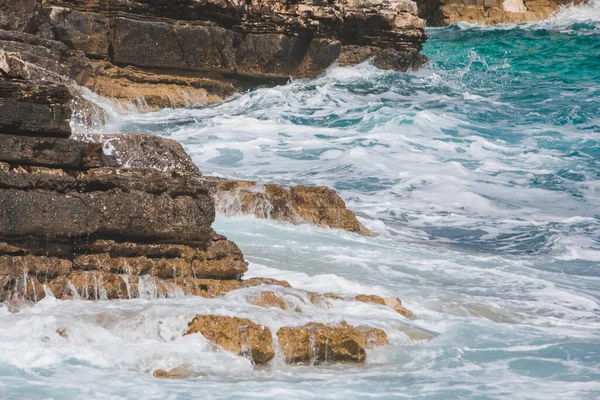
{"points": [[236, 335], [392, 302], [317, 205], [316, 343]]}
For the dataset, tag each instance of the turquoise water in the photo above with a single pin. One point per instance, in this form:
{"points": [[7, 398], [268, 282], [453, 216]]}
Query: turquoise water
{"points": [[480, 174]]}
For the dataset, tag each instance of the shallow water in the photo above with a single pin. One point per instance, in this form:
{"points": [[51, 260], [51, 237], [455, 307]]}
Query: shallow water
{"points": [[481, 175]]}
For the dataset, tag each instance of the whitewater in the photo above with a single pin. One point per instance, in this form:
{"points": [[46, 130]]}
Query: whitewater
{"points": [[479, 175]]}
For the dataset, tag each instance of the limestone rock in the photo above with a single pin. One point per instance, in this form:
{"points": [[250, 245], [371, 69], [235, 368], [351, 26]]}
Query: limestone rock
{"points": [[445, 12], [143, 151], [317, 205], [316, 343], [175, 373], [48, 267], [111, 213], [237, 335], [269, 299], [34, 109], [392, 302], [264, 281]]}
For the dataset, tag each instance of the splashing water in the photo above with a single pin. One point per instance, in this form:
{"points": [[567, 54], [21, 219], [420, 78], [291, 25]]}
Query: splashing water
{"points": [[481, 175]]}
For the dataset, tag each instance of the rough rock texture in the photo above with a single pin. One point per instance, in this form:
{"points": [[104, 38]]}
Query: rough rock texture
{"points": [[154, 53], [445, 12], [392, 302], [316, 343], [122, 217], [236, 335], [317, 205]]}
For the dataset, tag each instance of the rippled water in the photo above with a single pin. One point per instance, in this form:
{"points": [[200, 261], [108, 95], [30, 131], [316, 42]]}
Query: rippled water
{"points": [[481, 175]]}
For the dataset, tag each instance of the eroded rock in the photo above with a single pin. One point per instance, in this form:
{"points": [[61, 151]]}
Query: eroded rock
{"points": [[392, 302], [236, 335], [317, 205], [445, 12], [316, 343]]}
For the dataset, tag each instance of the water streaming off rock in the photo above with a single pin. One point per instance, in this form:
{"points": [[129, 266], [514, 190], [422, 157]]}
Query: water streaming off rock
{"points": [[480, 176]]}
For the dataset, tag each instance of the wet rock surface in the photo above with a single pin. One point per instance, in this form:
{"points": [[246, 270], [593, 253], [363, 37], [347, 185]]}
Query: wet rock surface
{"points": [[392, 302], [316, 343], [446, 12], [153, 55], [316, 205], [236, 335]]}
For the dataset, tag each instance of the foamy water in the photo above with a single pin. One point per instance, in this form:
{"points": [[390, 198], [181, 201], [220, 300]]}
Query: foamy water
{"points": [[480, 175]]}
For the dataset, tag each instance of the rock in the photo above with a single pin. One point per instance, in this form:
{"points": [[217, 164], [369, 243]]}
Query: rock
{"points": [[392, 302], [236, 335], [264, 281], [175, 373], [369, 338], [198, 52], [96, 285], [316, 343], [269, 299], [206, 287], [34, 109], [143, 151], [48, 152], [317, 205], [48, 267], [445, 12], [110, 214], [145, 90]]}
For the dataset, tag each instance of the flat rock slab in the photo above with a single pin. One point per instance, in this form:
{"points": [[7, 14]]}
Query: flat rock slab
{"points": [[113, 213], [48, 151]]}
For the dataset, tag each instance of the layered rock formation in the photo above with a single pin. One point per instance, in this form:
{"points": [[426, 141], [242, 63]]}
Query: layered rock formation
{"points": [[128, 216], [445, 12], [158, 53]]}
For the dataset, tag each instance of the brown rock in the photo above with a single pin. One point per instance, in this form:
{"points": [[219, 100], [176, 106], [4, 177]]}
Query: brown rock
{"points": [[143, 151], [264, 281], [269, 299], [34, 108], [316, 343], [95, 285], [50, 152], [392, 302], [48, 267], [111, 213], [317, 205], [175, 373], [370, 338], [237, 335], [445, 12], [206, 287], [20, 288]]}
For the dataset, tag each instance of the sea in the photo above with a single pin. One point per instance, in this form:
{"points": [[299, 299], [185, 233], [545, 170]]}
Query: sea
{"points": [[479, 175]]}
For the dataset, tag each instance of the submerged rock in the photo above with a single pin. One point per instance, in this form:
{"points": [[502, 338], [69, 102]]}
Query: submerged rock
{"points": [[392, 302], [236, 335], [316, 205], [316, 343]]}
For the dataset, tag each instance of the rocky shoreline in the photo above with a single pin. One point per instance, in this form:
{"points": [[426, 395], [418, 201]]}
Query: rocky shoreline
{"points": [[118, 217]]}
